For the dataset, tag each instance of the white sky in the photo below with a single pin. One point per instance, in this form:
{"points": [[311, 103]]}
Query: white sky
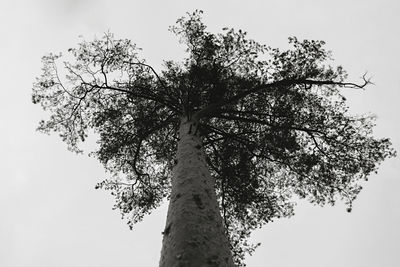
{"points": [[50, 214]]}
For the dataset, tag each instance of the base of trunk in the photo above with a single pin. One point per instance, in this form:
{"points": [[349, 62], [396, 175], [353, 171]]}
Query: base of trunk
{"points": [[194, 235]]}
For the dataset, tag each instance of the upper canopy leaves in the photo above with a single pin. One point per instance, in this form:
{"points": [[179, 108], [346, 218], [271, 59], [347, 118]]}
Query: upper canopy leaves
{"points": [[273, 122]]}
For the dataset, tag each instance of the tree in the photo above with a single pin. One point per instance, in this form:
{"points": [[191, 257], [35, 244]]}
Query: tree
{"points": [[229, 135]]}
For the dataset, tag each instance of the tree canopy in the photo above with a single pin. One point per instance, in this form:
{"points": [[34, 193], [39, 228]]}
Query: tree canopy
{"points": [[274, 123]]}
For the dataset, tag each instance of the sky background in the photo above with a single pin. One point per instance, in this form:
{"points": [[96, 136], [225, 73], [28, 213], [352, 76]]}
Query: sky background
{"points": [[50, 213]]}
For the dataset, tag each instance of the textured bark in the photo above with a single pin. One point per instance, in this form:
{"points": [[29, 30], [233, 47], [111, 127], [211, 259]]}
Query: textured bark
{"points": [[194, 235]]}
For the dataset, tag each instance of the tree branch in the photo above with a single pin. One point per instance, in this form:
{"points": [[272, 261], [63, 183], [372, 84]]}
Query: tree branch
{"points": [[264, 122], [139, 95], [212, 108], [152, 70]]}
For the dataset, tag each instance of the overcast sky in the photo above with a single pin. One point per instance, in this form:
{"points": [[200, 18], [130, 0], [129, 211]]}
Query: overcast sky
{"points": [[50, 214]]}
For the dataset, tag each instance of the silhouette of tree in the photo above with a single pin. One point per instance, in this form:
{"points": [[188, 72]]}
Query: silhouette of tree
{"points": [[244, 127]]}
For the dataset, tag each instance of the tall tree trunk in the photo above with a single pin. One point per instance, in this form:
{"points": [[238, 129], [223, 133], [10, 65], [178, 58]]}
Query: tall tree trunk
{"points": [[194, 235]]}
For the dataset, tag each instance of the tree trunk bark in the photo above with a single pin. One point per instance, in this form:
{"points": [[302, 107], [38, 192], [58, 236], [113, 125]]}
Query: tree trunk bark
{"points": [[194, 235]]}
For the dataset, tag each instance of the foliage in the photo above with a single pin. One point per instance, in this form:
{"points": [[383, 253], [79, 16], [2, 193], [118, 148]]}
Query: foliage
{"points": [[274, 123]]}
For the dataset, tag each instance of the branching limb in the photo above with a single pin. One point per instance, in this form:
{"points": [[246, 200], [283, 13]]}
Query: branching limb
{"points": [[147, 96], [264, 122], [215, 107]]}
